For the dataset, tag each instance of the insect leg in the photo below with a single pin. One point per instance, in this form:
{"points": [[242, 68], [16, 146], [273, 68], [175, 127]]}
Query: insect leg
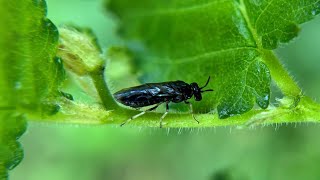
{"points": [[191, 111], [164, 115], [140, 114]]}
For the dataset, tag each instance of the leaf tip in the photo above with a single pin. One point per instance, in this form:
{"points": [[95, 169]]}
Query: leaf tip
{"points": [[263, 101]]}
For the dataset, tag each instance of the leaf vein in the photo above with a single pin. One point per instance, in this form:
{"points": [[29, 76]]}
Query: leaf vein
{"points": [[243, 10], [262, 12], [203, 56], [174, 10]]}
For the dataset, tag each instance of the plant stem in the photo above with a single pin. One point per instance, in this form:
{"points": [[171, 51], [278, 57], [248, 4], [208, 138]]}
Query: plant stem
{"points": [[77, 113], [102, 89], [280, 75]]}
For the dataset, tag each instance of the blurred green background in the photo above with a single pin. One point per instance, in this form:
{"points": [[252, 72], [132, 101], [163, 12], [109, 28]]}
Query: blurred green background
{"points": [[63, 152]]}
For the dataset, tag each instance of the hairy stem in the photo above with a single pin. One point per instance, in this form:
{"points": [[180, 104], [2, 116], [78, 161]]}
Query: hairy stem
{"points": [[102, 89], [77, 113], [280, 75]]}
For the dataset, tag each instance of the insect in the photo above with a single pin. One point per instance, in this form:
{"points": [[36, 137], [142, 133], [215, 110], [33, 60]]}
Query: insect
{"points": [[159, 93]]}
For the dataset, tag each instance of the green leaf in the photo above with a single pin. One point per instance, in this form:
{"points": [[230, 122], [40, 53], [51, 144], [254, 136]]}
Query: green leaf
{"points": [[277, 21], [12, 126], [227, 40], [30, 73]]}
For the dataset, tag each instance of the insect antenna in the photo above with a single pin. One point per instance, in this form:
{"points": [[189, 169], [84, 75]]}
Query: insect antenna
{"points": [[205, 86], [206, 83], [207, 90]]}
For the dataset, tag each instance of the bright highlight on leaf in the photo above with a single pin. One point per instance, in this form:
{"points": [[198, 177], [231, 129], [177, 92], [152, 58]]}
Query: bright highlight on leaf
{"points": [[227, 40]]}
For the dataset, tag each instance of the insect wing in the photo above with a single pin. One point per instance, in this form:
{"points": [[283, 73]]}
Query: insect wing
{"points": [[145, 95]]}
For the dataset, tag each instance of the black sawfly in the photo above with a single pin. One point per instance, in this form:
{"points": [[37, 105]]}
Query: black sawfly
{"points": [[159, 93]]}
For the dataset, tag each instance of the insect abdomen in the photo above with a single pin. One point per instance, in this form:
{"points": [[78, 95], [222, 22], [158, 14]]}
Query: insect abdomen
{"points": [[137, 98]]}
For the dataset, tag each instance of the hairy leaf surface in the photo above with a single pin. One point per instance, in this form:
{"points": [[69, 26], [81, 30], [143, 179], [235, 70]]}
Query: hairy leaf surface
{"points": [[30, 73]]}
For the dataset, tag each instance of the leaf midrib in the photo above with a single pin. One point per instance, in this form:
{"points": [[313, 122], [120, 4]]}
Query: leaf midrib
{"points": [[203, 56], [256, 38]]}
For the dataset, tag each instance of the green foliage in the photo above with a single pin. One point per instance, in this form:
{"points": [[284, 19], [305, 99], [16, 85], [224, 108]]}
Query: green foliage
{"points": [[227, 40], [277, 21], [30, 73], [231, 41]]}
